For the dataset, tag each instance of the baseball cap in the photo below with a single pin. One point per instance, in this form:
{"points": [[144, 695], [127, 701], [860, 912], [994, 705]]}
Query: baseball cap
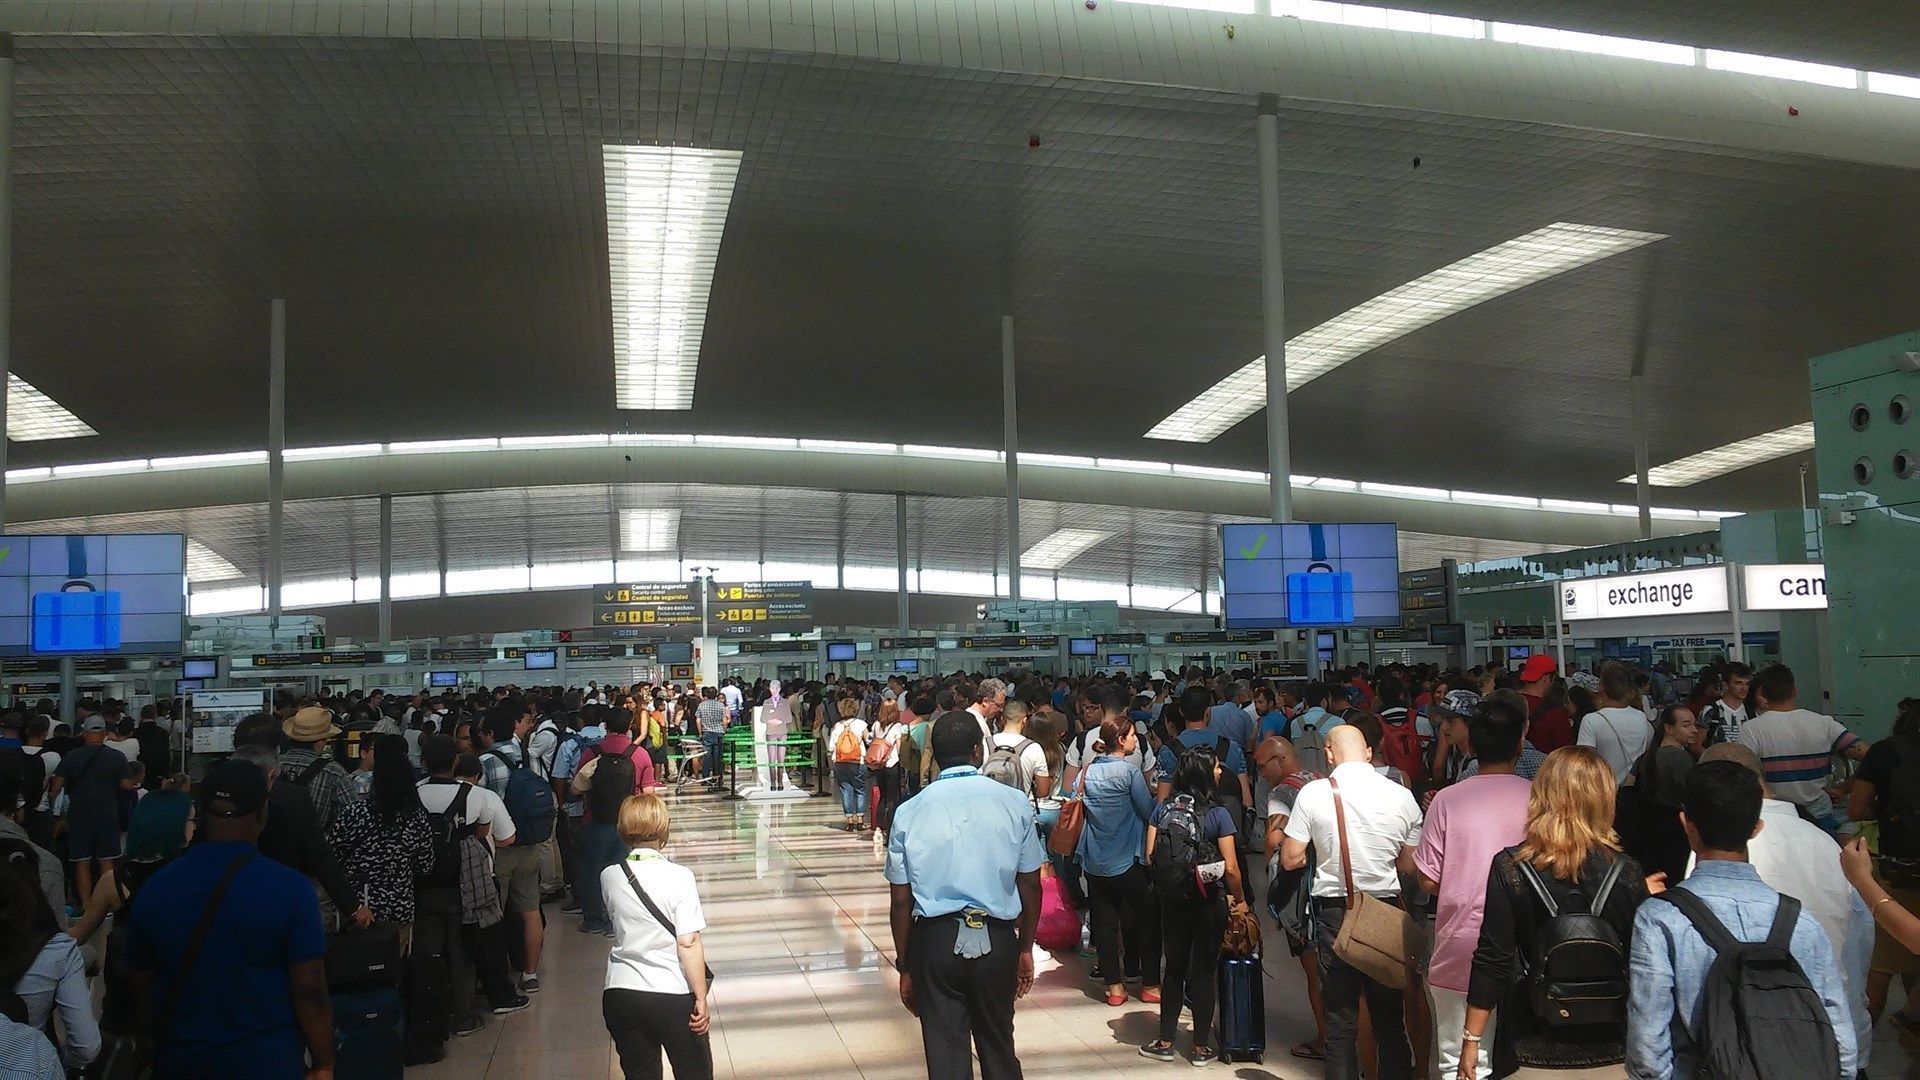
{"points": [[233, 789], [93, 723], [1159, 675], [1537, 667], [1457, 702]]}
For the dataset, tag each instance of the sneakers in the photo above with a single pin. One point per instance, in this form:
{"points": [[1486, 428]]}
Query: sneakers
{"points": [[518, 1002], [1203, 1056], [571, 906], [529, 983], [1159, 1050], [468, 1026]]}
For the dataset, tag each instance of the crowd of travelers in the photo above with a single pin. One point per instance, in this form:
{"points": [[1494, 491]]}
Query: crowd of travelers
{"points": [[1479, 871]]}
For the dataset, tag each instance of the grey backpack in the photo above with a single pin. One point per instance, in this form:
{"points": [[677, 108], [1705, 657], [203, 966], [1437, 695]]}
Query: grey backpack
{"points": [[1005, 765]]}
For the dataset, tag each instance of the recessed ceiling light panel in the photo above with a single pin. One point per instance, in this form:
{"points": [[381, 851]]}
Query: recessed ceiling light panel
{"points": [[1060, 548], [1732, 457], [666, 210], [649, 530], [205, 564], [1453, 288], [32, 415]]}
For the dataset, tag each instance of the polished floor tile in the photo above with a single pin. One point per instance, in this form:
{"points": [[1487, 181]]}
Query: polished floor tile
{"points": [[799, 939]]}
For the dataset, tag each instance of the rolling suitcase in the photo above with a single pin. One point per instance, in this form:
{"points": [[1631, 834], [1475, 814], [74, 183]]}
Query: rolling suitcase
{"points": [[369, 1035], [1243, 1009], [361, 959]]}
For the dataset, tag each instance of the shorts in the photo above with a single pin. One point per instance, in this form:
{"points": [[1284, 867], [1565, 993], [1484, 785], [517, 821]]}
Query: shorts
{"points": [[516, 870], [89, 839], [1889, 956]]}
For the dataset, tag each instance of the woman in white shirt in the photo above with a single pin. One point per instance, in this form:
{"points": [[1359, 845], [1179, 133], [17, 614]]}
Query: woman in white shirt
{"points": [[847, 742], [1618, 730], [890, 732], [656, 994]]}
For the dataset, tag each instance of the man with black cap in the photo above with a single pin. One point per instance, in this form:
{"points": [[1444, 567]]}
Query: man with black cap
{"points": [[227, 947], [964, 863]]}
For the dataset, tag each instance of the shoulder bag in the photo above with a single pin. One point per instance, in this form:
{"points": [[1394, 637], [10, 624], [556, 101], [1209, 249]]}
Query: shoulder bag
{"points": [[1376, 938], [1064, 840], [626, 867]]}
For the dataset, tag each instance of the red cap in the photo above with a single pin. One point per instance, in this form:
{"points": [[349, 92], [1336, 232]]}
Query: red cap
{"points": [[1537, 667]]}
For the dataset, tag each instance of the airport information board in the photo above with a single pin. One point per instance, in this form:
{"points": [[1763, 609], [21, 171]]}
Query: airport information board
{"points": [[733, 608], [1310, 575]]}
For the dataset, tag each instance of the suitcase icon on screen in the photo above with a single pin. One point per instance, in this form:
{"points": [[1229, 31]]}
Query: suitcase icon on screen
{"points": [[79, 618], [1319, 595]]}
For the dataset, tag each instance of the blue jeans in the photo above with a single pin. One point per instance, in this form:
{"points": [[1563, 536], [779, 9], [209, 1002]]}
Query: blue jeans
{"points": [[599, 848], [713, 740], [852, 778]]}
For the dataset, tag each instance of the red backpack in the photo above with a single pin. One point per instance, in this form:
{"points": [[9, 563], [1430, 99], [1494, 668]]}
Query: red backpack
{"points": [[1400, 747]]}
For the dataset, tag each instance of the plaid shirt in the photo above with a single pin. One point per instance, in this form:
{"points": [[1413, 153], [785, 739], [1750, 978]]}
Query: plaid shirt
{"points": [[493, 771], [329, 791]]}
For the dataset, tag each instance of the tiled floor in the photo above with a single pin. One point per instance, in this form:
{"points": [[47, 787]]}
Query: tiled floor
{"points": [[798, 938]]}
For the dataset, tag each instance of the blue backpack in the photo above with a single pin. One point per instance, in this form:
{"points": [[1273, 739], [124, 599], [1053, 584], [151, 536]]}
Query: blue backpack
{"points": [[529, 802]]}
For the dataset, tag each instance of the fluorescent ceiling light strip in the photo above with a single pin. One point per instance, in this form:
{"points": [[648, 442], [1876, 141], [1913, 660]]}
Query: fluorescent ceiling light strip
{"points": [[1068, 461], [666, 212], [1545, 37], [15, 476], [1060, 548], [1482, 276], [442, 446], [1405, 490], [1732, 457], [1881, 82], [1775, 67], [667, 438], [317, 453], [535, 441], [33, 416], [101, 468], [969, 453], [1230, 7], [208, 461], [1127, 465], [1379, 18], [649, 530], [206, 564], [841, 446], [747, 442]]}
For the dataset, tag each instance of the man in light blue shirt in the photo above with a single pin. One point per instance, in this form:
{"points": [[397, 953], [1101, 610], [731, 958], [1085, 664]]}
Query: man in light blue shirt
{"points": [[1669, 960], [964, 861], [569, 824], [1231, 717]]}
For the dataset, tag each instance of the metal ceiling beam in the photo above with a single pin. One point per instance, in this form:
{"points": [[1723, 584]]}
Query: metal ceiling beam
{"points": [[1295, 58]]}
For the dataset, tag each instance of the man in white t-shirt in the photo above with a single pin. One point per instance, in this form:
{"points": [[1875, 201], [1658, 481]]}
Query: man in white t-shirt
{"points": [[731, 697], [483, 944], [1383, 825], [1033, 757], [1797, 746], [1618, 731], [1723, 717]]}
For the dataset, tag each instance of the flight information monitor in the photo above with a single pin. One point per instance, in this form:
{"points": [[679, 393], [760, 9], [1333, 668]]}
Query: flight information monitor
{"points": [[1310, 575], [92, 594]]}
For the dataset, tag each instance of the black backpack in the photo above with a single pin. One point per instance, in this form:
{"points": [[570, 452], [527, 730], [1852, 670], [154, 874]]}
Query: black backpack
{"points": [[612, 783], [1900, 801], [449, 829], [1180, 848], [1577, 971], [1759, 1016]]}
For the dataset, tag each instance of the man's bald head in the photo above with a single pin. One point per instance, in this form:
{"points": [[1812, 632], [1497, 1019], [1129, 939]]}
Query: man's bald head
{"points": [[1346, 743], [1276, 758], [1742, 756]]}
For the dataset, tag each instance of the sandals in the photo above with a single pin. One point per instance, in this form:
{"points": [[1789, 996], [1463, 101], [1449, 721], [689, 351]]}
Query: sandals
{"points": [[1116, 999], [1310, 1050]]}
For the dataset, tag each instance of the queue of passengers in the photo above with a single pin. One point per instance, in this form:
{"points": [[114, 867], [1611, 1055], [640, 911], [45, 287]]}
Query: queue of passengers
{"points": [[1600, 872]]}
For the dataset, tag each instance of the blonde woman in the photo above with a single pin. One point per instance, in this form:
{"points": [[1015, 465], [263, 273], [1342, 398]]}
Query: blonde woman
{"points": [[656, 993], [1570, 849]]}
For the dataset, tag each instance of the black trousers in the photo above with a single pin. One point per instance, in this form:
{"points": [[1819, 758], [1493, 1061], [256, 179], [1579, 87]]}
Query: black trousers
{"points": [[1341, 987], [566, 831], [487, 946], [966, 1006], [889, 781], [1125, 913], [1190, 937], [644, 1024]]}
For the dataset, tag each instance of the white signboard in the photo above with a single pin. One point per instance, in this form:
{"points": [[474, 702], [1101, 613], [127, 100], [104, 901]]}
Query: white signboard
{"points": [[1787, 587], [1697, 591]]}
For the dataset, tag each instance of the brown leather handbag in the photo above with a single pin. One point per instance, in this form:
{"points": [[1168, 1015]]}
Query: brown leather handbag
{"points": [[1064, 840], [1376, 938]]}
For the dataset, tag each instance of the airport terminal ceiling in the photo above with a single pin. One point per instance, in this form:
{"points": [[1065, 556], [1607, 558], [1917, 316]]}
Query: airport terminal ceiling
{"points": [[434, 213]]}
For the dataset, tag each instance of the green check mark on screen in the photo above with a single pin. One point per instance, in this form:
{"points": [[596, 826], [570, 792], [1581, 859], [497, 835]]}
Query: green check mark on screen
{"points": [[1253, 552]]}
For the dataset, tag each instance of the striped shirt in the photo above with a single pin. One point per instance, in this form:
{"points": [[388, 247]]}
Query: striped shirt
{"points": [[1797, 747]]}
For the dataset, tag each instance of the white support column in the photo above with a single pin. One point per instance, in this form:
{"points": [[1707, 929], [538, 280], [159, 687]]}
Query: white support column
{"points": [[276, 455], [1010, 442], [900, 558], [1641, 489], [386, 569], [1273, 312]]}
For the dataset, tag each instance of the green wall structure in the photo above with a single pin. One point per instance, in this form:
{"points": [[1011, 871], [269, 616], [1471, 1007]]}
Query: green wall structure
{"points": [[1866, 438]]}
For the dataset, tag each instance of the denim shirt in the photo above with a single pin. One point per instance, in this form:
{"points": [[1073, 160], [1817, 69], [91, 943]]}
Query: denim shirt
{"points": [[1668, 965], [1118, 805]]}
